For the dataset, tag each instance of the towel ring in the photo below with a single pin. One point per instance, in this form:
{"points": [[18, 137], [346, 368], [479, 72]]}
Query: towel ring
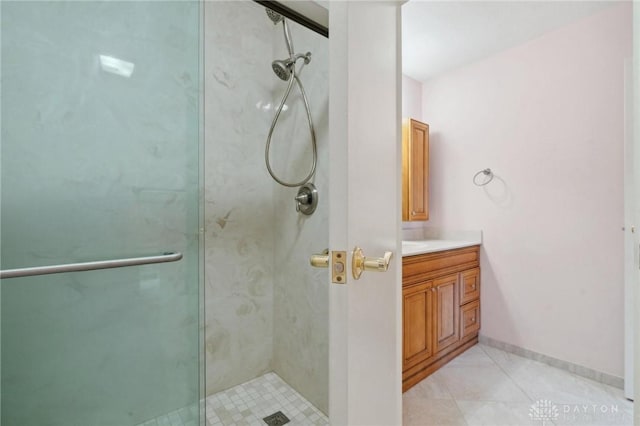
{"points": [[486, 172]]}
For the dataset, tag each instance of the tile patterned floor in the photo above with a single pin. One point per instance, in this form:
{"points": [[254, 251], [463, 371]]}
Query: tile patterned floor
{"points": [[248, 403], [487, 386]]}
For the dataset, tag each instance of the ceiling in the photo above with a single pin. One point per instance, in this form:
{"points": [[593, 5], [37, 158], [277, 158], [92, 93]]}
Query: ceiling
{"points": [[441, 35]]}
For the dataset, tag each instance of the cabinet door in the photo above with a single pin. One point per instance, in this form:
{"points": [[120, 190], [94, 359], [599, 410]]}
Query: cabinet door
{"points": [[417, 324], [415, 171], [447, 311]]}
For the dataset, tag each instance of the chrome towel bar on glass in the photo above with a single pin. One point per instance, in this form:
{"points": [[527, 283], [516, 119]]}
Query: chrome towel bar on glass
{"points": [[89, 266]]}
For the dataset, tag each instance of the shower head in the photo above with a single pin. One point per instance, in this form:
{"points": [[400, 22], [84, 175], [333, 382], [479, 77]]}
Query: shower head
{"points": [[275, 17], [282, 69]]}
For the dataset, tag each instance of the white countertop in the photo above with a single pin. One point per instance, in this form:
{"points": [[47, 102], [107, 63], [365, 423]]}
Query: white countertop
{"points": [[414, 247]]}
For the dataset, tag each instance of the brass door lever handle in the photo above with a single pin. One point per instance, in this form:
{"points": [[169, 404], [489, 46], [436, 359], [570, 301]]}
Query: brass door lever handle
{"points": [[360, 263]]}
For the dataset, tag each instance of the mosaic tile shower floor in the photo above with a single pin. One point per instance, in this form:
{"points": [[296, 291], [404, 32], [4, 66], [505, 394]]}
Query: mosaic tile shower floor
{"points": [[247, 405]]}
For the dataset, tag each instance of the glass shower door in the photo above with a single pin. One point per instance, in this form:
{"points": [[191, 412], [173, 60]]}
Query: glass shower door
{"points": [[100, 161]]}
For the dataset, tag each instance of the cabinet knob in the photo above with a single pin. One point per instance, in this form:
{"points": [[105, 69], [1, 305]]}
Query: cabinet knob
{"points": [[413, 213]]}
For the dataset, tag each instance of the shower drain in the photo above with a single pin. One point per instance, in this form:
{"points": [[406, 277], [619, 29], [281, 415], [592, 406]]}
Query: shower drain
{"points": [[276, 419]]}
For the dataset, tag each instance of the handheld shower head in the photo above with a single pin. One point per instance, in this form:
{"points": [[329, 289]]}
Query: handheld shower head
{"points": [[275, 17], [282, 69]]}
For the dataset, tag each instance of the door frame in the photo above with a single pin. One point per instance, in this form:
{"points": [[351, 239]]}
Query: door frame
{"points": [[636, 201], [631, 253]]}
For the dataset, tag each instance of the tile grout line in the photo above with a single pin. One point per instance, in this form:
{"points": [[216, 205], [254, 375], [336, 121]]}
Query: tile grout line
{"points": [[441, 383], [464, 418], [525, 393], [455, 401]]}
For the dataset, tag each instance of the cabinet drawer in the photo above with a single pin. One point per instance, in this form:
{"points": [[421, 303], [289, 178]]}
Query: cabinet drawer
{"points": [[469, 285], [425, 266], [470, 318]]}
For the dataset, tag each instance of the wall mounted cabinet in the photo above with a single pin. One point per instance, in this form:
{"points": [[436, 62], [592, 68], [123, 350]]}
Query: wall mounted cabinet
{"points": [[415, 170]]}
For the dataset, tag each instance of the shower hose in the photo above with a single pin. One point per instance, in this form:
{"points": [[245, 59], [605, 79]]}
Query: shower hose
{"points": [[294, 77]]}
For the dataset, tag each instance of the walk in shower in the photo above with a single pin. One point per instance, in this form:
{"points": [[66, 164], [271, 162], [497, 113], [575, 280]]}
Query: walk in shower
{"points": [[133, 154], [266, 308]]}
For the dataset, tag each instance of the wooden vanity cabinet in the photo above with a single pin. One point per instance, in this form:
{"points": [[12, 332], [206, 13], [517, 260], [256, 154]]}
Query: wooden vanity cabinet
{"points": [[441, 309], [415, 170]]}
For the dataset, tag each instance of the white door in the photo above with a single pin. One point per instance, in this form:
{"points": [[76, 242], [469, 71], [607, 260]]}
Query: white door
{"points": [[364, 210]]}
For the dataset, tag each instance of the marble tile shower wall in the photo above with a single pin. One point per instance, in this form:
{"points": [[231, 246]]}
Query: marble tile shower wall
{"points": [[239, 212], [266, 309], [301, 297]]}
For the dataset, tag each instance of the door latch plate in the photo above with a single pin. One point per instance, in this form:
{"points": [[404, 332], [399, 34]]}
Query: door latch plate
{"points": [[339, 267]]}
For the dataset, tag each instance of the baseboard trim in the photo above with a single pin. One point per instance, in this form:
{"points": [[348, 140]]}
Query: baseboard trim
{"points": [[576, 369]]}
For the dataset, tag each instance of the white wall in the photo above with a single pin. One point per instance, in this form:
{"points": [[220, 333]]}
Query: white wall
{"points": [[411, 98], [547, 117]]}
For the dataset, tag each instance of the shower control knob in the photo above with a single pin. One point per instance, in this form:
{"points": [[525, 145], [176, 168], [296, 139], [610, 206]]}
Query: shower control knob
{"points": [[306, 199], [303, 198]]}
